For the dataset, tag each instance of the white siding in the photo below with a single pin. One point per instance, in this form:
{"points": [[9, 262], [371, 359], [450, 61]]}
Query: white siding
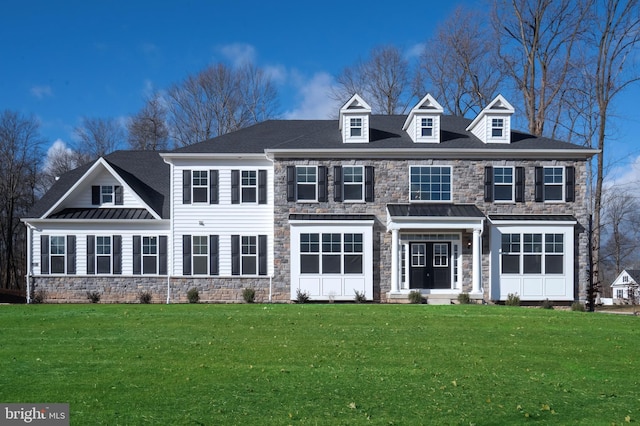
{"points": [[223, 219], [82, 196]]}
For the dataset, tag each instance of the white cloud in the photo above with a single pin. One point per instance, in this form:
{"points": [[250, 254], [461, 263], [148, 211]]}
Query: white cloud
{"points": [[277, 73], [239, 53], [58, 149], [626, 177], [313, 97], [41, 92], [414, 52]]}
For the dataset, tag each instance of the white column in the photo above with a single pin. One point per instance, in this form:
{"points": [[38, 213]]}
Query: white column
{"points": [[476, 255], [395, 272]]}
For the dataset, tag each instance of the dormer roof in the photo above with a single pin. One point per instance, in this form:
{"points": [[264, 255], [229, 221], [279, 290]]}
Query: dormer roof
{"points": [[497, 106], [427, 105], [355, 105], [493, 123]]}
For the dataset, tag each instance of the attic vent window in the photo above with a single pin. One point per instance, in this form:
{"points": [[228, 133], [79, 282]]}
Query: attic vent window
{"points": [[497, 127], [355, 124], [426, 125]]}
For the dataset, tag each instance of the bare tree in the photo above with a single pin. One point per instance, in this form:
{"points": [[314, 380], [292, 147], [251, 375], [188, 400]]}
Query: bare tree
{"points": [[59, 160], [459, 64], [219, 100], [614, 34], [148, 130], [98, 137], [383, 79], [538, 39], [20, 147], [621, 217]]}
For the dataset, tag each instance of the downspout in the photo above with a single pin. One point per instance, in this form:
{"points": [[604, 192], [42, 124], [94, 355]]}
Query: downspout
{"points": [[29, 274], [170, 253]]}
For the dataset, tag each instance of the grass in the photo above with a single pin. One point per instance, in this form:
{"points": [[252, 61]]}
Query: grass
{"points": [[322, 364]]}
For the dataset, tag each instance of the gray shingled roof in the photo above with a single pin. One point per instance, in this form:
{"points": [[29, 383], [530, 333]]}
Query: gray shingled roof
{"points": [[547, 217], [144, 171], [385, 132]]}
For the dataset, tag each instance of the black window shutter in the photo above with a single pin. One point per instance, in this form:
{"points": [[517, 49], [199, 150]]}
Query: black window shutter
{"points": [[186, 255], [162, 255], [214, 257], [488, 183], [235, 255], [337, 183], [291, 183], [117, 254], [186, 187], [262, 255], [369, 184], [95, 195], [137, 254], [91, 254], [570, 190], [235, 186], [71, 254], [118, 195], [214, 187], [322, 183], [539, 188], [519, 184], [44, 254], [262, 187]]}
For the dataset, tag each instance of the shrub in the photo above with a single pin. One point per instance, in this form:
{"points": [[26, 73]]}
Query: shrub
{"points": [[193, 296], [93, 296], [144, 297], [39, 296], [249, 295], [360, 297], [512, 300], [577, 306], [415, 297], [464, 299], [302, 296], [547, 304]]}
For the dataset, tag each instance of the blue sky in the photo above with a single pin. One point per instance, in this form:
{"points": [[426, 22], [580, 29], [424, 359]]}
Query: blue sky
{"points": [[62, 60]]}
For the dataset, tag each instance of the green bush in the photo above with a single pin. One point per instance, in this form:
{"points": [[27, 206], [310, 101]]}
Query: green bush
{"points": [[577, 306], [193, 296], [547, 304], [249, 295], [512, 300], [144, 297], [415, 297], [302, 296], [93, 296], [464, 299]]}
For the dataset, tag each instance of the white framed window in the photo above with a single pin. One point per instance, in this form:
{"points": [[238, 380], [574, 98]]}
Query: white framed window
{"points": [[249, 186], [497, 127], [353, 183], [200, 255], [307, 183], [249, 255], [426, 127], [430, 183], [418, 255], [503, 184], [149, 255], [355, 127], [57, 254], [106, 194], [625, 279], [553, 183], [104, 253], [525, 253], [200, 186], [441, 255], [619, 293], [331, 253]]}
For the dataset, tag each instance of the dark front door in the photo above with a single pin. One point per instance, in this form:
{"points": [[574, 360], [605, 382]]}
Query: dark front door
{"points": [[430, 265]]}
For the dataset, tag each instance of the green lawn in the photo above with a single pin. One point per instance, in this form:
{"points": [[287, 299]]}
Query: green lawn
{"points": [[322, 364]]}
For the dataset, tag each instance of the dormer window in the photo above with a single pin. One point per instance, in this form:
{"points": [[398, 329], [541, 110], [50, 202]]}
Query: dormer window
{"points": [[497, 127], [355, 126], [426, 127], [106, 194]]}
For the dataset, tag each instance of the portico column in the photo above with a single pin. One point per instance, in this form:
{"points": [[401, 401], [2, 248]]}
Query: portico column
{"points": [[476, 254], [394, 261]]}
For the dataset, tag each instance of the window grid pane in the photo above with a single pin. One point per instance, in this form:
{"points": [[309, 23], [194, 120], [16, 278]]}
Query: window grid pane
{"points": [[430, 183]]}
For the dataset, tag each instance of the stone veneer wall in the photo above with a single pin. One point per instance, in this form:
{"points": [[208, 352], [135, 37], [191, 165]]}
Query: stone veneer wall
{"points": [[126, 289], [392, 186]]}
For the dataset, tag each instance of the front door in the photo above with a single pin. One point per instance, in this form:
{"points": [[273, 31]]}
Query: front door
{"points": [[430, 265]]}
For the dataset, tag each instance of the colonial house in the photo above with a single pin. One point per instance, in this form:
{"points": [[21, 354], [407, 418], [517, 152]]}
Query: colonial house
{"points": [[373, 204], [628, 281]]}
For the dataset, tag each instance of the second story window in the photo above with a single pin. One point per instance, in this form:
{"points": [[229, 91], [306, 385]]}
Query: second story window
{"points": [[200, 186], [553, 183], [306, 183], [106, 194], [426, 127], [249, 186], [353, 178], [503, 183], [355, 126], [430, 183], [497, 127]]}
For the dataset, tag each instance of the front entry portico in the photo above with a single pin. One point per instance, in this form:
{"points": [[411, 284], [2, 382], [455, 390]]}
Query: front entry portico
{"points": [[427, 248]]}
